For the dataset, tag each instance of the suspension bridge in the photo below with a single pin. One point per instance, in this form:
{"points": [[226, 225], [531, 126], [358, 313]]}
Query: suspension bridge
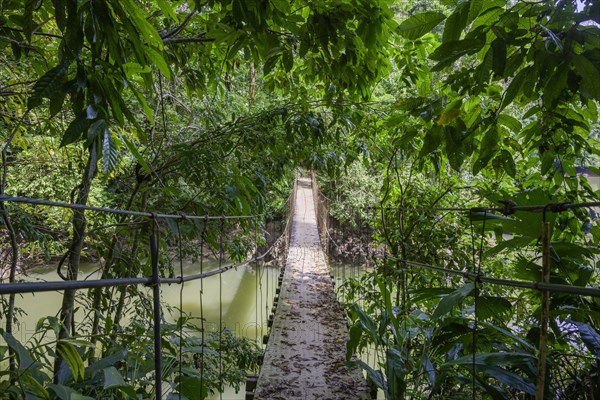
{"points": [[305, 344], [306, 348], [305, 341]]}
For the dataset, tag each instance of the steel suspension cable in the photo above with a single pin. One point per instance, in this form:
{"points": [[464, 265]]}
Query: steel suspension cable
{"points": [[508, 209], [32, 201], [180, 247], [202, 325], [156, 311], [256, 283], [551, 287], [477, 271], [221, 250]]}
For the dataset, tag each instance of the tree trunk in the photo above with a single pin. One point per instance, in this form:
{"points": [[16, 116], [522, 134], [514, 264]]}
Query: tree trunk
{"points": [[252, 90], [79, 234], [97, 293], [10, 313]]}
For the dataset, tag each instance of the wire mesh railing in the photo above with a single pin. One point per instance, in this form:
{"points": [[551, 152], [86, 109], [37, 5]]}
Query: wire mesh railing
{"points": [[470, 271]]}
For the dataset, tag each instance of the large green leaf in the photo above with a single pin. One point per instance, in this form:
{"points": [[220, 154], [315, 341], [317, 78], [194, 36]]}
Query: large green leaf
{"points": [[518, 242], [113, 378], [26, 362], [192, 388], [354, 341], [498, 56], [492, 307], [508, 334], [368, 324], [168, 8], [146, 30], [451, 51], [158, 60], [432, 140], [456, 23], [67, 393], [110, 153], [375, 375], [488, 148], [556, 84], [395, 372], [75, 130], [510, 379], [494, 359], [108, 361], [70, 354], [514, 88], [487, 18], [590, 75], [419, 24], [135, 153], [49, 85], [452, 300], [510, 122], [590, 337]]}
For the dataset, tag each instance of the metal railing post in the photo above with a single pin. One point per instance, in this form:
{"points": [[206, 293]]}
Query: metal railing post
{"points": [[544, 310], [157, 318]]}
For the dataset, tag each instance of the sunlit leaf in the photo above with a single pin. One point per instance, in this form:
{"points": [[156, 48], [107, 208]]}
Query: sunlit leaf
{"points": [[419, 24], [447, 303]]}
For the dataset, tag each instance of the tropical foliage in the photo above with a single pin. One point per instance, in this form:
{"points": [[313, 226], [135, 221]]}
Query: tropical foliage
{"points": [[208, 107]]}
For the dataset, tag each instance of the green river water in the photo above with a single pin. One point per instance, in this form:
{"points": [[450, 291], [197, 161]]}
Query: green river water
{"points": [[241, 301]]}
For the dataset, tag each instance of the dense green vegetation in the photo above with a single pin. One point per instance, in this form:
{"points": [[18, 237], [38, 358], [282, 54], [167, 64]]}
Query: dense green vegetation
{"points": [[407, 107]]}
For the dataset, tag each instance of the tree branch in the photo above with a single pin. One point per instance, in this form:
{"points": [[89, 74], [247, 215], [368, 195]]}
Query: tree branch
{"points": [[180, 27], [192, 39]]}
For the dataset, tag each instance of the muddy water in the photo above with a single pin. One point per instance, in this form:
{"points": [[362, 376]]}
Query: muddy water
{"points": [[239, 299]]}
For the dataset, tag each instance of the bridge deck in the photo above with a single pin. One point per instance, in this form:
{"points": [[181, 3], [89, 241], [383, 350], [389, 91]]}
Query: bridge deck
{"points": [[305, 354]]}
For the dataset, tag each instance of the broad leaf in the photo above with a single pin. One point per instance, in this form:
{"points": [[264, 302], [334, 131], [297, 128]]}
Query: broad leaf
{"points": [[66, 393], [110, 153], [25, 360], [590, 75], [510, 122], [451, 51], [113, 378], [108, 361], [495, 359], [590, 337], [429, 369], [355, 335], [157, 59], [375, 375], [395, 372], [456, 23], [48, 86], [514, 88], [420, 24], [509, 334], [135, 153], [498, 57], [452, 300], [70, 354], [75, 130], [510, 379], [490, 307]]}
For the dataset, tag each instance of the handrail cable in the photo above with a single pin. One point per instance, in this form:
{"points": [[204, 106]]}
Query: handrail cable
{"points": [[36, 287], [509, 209], [29, 200], [551, 287]]}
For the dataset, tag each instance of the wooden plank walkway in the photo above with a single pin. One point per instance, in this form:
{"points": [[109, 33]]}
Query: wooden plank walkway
{"points": [[306, 350]]}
